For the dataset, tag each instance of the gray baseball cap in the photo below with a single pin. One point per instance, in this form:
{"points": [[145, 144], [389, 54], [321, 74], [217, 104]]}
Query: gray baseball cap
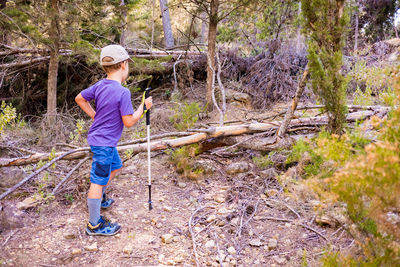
{"points": [[116, 52]]}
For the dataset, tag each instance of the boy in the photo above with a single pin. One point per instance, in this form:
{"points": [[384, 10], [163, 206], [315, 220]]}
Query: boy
{"points": [[113, 111]]}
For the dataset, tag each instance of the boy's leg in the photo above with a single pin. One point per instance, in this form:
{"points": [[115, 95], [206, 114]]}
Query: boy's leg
{"points": [[99, 176], [94, 203]]}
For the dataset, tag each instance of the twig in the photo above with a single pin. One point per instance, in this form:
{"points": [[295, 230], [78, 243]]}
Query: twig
{"points": [[192, 234], [174, 68], [244, 141], [67, 145], [9, 237], [222, 89], [69, 174], [26, 179], [287, 206], [218, 251], [315, 231], [337, 231], [158, 136]]}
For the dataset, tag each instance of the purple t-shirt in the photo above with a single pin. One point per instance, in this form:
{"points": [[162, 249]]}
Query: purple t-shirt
{"points": [[112, 102]]}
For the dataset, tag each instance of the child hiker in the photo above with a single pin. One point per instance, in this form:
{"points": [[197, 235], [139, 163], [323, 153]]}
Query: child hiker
{"points": [[113, 111]]}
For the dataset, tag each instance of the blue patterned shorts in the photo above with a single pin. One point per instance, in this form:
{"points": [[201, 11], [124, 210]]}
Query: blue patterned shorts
{"points": [[105, 160]]}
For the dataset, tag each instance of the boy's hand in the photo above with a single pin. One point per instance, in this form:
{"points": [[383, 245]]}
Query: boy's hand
{"points": [[148, 102]]}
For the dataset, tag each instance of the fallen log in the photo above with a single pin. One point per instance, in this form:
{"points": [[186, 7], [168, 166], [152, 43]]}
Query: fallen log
{"points": [[213, 132]]}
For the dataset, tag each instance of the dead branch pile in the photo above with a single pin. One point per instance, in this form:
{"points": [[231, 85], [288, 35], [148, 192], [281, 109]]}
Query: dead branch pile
{"points": [[267, 129], [274, 75]]}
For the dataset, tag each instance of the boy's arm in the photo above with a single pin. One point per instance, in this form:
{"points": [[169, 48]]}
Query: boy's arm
{"points": [[85, 105], [130, 120]]}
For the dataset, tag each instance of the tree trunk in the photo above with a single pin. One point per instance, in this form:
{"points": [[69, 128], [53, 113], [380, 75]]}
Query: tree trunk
{"points": [[53, 65], [212, 37], [123, 22], [356, 26], [5, 37], [168, 36]]}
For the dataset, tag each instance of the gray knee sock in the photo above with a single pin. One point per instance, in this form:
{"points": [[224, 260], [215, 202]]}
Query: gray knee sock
{"points": [[94, 210]]}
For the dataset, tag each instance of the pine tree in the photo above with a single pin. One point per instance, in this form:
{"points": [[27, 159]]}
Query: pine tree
{"points": [[325, 24]]}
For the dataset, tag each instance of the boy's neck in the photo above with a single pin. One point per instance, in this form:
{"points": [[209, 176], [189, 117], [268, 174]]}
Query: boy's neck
{"points": [[115, 76]]}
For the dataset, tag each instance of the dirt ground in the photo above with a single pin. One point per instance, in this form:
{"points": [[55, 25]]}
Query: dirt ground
{"points": [[230, 215], [225, 218]]}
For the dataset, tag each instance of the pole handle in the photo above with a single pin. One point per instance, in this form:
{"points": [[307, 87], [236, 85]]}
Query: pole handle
{"points": [[146, 95]]}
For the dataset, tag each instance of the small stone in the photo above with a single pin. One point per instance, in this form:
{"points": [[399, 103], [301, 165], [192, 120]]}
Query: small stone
{"points": [[211, 218], [128, 249], [235, 221], [232, 250], [167, 238], [176, 239], [225, 264], [210, 244], [222, 257], [220, 198], [288, 225], [271, 192], [71, 221], [279, 260], [272, 244], [92, 247], [255, 242], [27, 203], [167, 208], [181, 184], [135, 216], [76, 251], [234, 262], [269, 173], [304, 236], [69, 234], [237, 167]]}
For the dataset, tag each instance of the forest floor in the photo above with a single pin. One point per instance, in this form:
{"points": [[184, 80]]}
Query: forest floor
{"points": [[238, 214]]}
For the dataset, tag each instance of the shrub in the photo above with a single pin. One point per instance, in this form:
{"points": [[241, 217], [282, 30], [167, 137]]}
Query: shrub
{"points": [[369, 186], [183, 159], [8, 115], [185, 115]]}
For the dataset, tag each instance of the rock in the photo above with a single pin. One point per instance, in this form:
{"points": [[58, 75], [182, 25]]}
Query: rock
{"points": [[27, 203], [211, 218], [220, 198], [272, 244], [167, 238], [279, 260], [271, 192], [222, 257], [255, 242], [207, 165], [76, 251], [69, 234], [235, 96], [237, 167], [128, 249], [92, 247], [11, 217], [232, 250], [167, 208], [210, 244], [181, 184], [269, 173], [325, 220]]}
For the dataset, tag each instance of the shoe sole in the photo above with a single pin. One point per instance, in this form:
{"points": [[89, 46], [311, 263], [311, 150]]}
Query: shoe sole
{"points": [[94, 234]]}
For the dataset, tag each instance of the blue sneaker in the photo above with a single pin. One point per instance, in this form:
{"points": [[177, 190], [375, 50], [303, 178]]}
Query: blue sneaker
{"points": [[106, 202], [103, 227]]}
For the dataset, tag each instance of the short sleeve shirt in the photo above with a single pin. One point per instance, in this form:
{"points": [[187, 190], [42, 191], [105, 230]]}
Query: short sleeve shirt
{"points": [[112, 101]]}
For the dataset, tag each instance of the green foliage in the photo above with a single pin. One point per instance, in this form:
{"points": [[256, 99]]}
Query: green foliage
{"points": [[7, 115], [183, 160], [185, 115], [326, 28], [69, 197], [77, 135], [276, 16], [363, 98], [326, 153], [263, 161], [369, 185]]}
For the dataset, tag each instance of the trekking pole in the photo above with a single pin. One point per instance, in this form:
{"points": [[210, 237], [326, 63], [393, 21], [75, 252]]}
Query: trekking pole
{"points": [[146, 95]]}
